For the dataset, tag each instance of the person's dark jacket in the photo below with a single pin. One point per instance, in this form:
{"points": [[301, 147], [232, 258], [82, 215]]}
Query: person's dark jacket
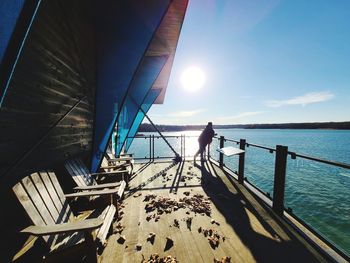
{"points": [[206, 136]]}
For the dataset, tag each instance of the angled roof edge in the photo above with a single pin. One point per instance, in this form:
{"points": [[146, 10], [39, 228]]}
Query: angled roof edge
{"points": [[168, 35]]}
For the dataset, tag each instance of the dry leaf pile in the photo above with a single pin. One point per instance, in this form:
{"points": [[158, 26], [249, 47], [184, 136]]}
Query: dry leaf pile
{"points": [[223, 260], [163, 205], [149, 197], [212, 235], [118, 228], [196, 203], [166, 178], [155, 258], [185, 177], [176, 223]]}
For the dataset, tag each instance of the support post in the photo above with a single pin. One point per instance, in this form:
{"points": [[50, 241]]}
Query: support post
{"points": [[279, 179], [221, 156], [241, 161]]}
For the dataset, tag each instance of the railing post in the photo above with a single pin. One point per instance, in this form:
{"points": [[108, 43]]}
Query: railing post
{"points": [[184, 147], [280, 179], [241, 161], [153, 147], [221, 155], [150, 147], [181, 150]]}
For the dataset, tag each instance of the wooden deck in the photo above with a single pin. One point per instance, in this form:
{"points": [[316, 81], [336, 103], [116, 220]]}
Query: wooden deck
{"points": [[252, 232]]}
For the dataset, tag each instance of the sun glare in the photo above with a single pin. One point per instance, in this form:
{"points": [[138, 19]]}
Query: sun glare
{"points": [[192, 79]]}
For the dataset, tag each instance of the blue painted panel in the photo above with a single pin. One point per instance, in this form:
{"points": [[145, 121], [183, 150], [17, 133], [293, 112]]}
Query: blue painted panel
{"points": [[148, 102], [16, 18], [146, 75], [123, 31], [9, 13]]}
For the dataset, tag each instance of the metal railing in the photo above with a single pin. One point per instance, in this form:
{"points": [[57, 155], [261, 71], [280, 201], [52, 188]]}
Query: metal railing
{"points": [[152, 140], [280, 169]]}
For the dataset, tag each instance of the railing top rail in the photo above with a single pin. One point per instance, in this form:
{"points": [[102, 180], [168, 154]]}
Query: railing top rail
{"points": [[261, 147], [226, 140], [166, 136], [271, 150], [294, 155], [338, 164]]}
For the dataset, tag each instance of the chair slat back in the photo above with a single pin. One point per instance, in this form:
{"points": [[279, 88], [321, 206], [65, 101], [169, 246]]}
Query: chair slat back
{"points": [[43, 201], [79, 172]]}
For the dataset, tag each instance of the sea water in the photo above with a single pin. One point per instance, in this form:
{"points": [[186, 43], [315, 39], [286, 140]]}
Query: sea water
{"points": [[317, 193]]}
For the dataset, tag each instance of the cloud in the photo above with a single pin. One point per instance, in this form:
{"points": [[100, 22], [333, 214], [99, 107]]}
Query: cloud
{"points": [[241, 115], [185, 114], [308, 98]]}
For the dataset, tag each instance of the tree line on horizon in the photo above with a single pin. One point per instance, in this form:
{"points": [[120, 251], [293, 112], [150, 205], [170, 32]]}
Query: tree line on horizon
{"points": [[147, 127]]}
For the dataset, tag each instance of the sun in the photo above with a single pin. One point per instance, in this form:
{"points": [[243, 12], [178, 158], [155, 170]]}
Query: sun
{"points": [[193, 79]]}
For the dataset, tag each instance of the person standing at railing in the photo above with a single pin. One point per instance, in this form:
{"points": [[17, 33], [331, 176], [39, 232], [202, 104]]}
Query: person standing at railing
{"points": [[205, 138]]}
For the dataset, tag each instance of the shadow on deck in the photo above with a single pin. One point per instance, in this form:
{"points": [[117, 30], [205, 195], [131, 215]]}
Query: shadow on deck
{"points": [[252, 232]]}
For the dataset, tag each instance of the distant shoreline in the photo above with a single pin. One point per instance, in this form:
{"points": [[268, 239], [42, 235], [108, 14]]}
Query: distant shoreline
{"points": [[146, 127]]}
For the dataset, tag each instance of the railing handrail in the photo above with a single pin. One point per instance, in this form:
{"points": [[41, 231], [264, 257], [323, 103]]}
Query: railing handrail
{"points": [[338, 164], [294, 154], [271, 150], [166, 136]]}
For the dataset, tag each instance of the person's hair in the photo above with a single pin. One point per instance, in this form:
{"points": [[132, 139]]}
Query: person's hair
{"points": [[210, 123]]}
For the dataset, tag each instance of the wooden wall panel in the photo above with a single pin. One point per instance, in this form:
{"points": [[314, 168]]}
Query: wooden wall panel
{"points": [[55, 70]]}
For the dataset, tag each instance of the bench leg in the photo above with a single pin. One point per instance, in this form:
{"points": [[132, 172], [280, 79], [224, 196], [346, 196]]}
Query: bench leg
{"points": [[114, 201]]}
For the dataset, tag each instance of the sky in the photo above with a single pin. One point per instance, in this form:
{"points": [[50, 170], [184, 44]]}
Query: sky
{"points": [[264, 61]]}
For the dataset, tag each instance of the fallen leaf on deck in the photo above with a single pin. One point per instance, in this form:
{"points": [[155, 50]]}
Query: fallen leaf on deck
{"points": [[121, 239], [137, 195], [169, 243], [138, 247]]}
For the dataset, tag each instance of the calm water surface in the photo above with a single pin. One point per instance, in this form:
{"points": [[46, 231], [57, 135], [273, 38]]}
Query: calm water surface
{"points": [[317, 193]]}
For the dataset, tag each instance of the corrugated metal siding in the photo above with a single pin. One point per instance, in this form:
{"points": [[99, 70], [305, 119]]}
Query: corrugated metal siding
{"points": [[55, 70]]}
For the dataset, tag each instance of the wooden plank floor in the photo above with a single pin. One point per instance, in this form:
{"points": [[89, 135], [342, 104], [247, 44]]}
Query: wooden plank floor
{"points": [[252, 232]]}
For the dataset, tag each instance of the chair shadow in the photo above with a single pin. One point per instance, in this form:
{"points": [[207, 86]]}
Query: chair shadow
{"points": [[176, 182], [140, 169], [143, 184], [234, 206]]}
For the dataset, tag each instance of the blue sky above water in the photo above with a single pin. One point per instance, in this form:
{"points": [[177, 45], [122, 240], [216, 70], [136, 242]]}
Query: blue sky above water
{"points": [[265, 61]]}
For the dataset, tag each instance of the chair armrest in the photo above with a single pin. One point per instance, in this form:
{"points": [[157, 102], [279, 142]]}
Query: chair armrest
{"points": [[127, 154], [96, 187], [121, 189], [121, 165], [93, 193], [88, 224], [110, 173], [126, 158]]}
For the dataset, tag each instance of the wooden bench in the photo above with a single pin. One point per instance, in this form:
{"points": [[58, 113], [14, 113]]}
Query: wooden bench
{"points": [[47, 206], [124, 163], [86, 180], [123, 160]]}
